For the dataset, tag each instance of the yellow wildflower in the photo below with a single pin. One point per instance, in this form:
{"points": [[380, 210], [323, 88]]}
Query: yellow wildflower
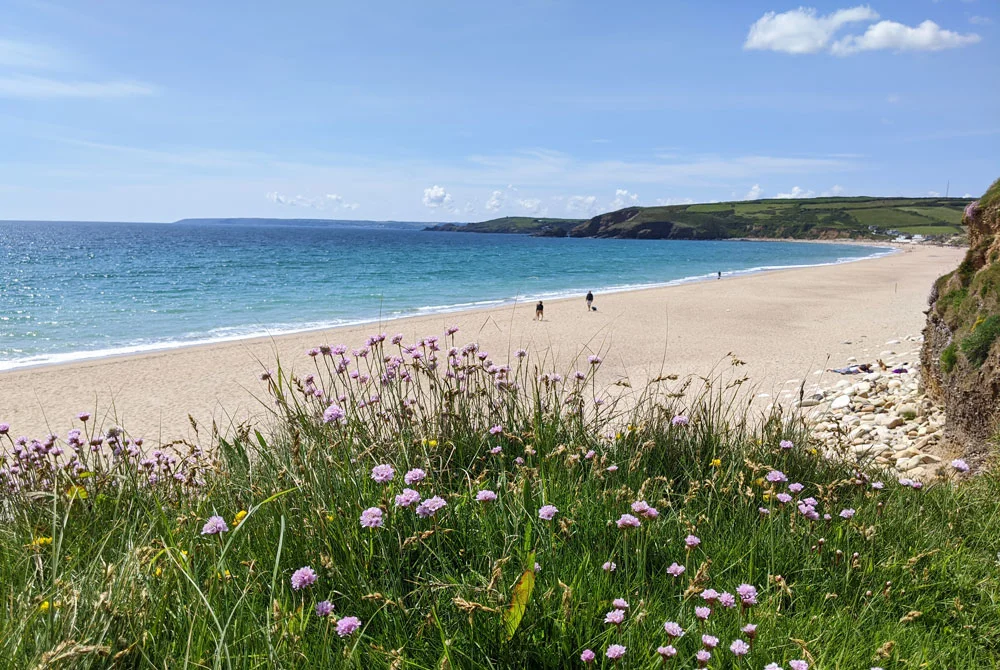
{"points": [[767, 496], [242, 514], [759, 481], [74, 492], [41, 541], [158, 572], [716, 462], [44, 607]]}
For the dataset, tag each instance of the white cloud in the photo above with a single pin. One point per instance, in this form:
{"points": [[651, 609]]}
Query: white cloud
{"points": [[933, 194], [623, 199], [329, 200], [435, 196], [469, 208], [801, 31], [666, 202], [754, 193], [338, 201], [833, 192], [928, 36], [582, 204], [796, 192], [530, 205], [495, 202], [20, 86], [980, 20]]}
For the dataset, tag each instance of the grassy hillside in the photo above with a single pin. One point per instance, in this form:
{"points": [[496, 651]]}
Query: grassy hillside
{"points": [[532, 526], [813, 218]]}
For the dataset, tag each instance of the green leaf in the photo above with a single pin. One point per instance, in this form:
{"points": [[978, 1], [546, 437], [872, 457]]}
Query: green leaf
{"points": [[519, 599]]}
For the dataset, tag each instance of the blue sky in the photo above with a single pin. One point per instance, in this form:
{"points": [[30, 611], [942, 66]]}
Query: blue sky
{"points": [[452, 111]]}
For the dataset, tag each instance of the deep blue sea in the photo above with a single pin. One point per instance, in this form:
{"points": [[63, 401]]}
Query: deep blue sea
{"points": [[70, 291]]}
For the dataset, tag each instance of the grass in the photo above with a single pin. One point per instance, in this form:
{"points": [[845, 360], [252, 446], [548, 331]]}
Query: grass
{"points": [[103, 563], [976, 345], [949, 357]]}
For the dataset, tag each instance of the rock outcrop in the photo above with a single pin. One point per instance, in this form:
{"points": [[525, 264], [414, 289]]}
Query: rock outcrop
{"points": [[961, 353]]}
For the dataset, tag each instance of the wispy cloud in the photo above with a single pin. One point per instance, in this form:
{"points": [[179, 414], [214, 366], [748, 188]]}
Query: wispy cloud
{"points": [[330, 200], [29, 87], [27, 55], [24, 59], [892, 36]]}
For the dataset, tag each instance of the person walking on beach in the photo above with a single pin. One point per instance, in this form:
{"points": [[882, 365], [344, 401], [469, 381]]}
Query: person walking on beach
{"points": [[539, 310], [720, 274], [590, 300]]}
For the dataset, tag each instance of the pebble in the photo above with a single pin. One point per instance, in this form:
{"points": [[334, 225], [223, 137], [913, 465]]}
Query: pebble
{"points": [[881, 416]]}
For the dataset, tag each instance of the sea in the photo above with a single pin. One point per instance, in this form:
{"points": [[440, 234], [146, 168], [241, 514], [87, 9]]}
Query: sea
{"points": [[71, 291]]}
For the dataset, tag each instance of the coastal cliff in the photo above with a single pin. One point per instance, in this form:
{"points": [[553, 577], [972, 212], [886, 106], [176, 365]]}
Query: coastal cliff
{"points": [[961, 351]]}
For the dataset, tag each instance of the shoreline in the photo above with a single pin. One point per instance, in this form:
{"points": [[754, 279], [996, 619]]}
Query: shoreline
{"points": [[786, 324], [97, 355]]}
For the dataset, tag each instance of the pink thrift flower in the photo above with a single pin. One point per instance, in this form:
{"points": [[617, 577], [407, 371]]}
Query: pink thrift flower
{"points": [[708, 595], [496, 430], [83, 416], [727, 600], [640, 506], [702, 613], [798, 664], [960, 465], [739, 647], [703, 656], [751, 630], [430, 507], [773, 666], [786, 444], [383, 473], [609, 566], [620, 604], [617, 617], [303, 577], [348, 625], [775, 476], [407, 497], [615, 652], [486, 496], [747, 594], [764, 511], [334, 414], [666, 652], [414, 476], [371, 518], [588, 656], [692, 541], [673, 629], [709, 641], [612, 468], [214, 526], [651, 513], [324, 608], [846, 513], [547, 512], [796, 487], [590, 454], [675, 570], [628, 521], [784, 498], [496, 450], [679, 420]]}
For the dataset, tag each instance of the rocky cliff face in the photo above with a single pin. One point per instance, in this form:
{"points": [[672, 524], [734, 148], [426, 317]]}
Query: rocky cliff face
{"points": [[961, 352]]}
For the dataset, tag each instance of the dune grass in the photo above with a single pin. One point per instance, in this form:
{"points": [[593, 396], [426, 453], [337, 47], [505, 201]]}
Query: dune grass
{"points": [[109, 556]]}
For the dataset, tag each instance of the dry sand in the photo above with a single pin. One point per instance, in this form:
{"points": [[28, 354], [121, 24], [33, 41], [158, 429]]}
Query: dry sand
{"points": [[784, 324]]}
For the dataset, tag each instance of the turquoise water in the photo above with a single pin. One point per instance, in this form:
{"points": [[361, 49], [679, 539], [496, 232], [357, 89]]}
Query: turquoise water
{"points": [[70, 291]]}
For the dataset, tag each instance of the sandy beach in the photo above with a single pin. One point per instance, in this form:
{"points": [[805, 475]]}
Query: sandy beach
{"points": [[786, 325]]}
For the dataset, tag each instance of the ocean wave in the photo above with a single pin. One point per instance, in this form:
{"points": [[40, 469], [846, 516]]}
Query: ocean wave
{"points": [[250, 331]]}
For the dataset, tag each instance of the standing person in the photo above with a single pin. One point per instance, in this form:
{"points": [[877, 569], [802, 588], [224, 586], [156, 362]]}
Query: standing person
{"points": [[539, 311], [720, 274], [590, 300]]}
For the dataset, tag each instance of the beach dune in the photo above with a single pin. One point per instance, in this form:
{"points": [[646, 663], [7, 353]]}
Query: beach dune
{"points": [[786, 325]]}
